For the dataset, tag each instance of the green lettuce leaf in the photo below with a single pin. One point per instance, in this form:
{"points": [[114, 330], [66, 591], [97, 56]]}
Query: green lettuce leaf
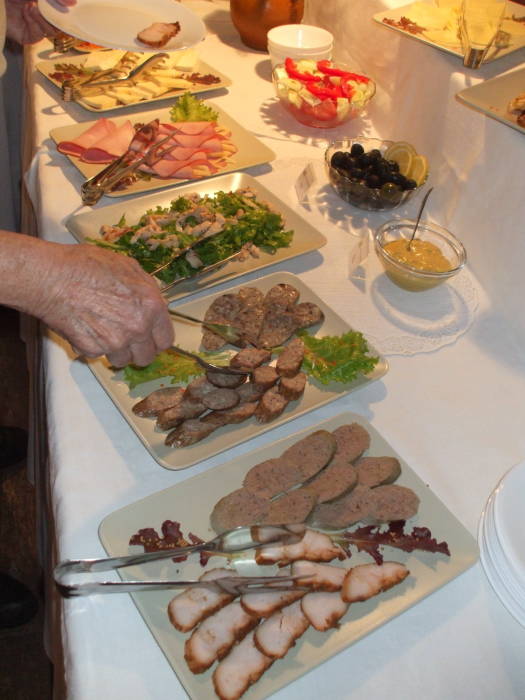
{"points": [[189, 108], [339, 358]]}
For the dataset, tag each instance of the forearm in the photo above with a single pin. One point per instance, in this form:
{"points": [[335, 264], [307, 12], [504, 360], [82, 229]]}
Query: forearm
{"points": [[28, 270]]}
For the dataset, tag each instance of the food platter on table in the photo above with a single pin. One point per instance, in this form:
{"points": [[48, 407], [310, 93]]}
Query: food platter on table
{"points": [[191, 502], [249, 150], [436, 24], [116, 24], [185, 64], [493, 96], [306, 238], [189, 336]]}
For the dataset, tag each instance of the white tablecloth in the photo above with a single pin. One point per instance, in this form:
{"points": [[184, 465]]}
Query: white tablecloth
{"points": [[456, 414]]}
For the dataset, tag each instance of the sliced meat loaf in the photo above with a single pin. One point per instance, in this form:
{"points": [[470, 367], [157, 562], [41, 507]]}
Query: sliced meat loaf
{"points": [[374, 471], [241, 507], [278, 325], [312, 453], [272, 477], [223, 309], [283, 295], [352, 441], [293, 507], [334, 481]]}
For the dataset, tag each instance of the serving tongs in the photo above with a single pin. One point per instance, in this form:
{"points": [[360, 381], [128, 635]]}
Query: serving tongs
{"points": [[117, 75], [95, 187], [228, 543]]}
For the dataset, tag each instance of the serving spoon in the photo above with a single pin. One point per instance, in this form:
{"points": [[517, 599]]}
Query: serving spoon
{"points": [[419, 217]]}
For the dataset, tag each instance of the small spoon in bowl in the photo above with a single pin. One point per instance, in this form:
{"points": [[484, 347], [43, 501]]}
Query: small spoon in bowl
{"points": [[419, 217]]}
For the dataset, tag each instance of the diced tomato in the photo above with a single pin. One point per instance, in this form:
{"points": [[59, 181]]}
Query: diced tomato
{"points": [[325, 111]]}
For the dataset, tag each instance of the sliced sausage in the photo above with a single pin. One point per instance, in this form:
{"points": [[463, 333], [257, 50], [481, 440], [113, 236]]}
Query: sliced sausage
{"points": [[293, 507], [272, 477], [250, 297], [225, 381], [334, 481], [250, 358], [312, 453], [265, 376], [222, 310], [241, 507], [283, 295], [188, 433], [278, 325], [290, 360], [352, 441], [307, 314], [158, 401], [250, 392], [171, 417], [271, 405], [221, 399], [392, 503], [293, 388], [374, 471], [346, 511], [198, 388]]}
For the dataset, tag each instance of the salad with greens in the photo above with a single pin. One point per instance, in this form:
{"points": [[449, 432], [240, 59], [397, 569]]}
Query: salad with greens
{"points": [[195, 231]]}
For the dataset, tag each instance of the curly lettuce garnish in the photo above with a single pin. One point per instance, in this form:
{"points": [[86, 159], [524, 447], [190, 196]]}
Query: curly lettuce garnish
{"points": [[340, 358], [189, 108]]}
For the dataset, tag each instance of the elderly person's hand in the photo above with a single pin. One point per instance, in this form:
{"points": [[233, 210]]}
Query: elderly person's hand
{"points": [[25, 24], [105, 304]]}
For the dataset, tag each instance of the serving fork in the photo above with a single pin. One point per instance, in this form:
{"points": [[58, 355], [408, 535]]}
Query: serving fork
{"points": [[231, 334], [228, 543], [208, 366], [62, 43]]}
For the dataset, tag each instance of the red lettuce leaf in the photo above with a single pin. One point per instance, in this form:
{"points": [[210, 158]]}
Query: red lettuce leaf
{"points": [[370, 537]]}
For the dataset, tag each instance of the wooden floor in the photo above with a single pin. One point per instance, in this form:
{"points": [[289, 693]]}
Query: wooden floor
{"points": [[25, 672]]}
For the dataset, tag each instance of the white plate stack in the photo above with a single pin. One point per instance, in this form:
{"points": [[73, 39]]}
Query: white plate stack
{"points": [[501, 538]]}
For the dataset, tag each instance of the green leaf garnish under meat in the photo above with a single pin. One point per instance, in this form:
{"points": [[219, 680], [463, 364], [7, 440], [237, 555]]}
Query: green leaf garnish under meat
{"points": [[338, 358], [190, 109]]}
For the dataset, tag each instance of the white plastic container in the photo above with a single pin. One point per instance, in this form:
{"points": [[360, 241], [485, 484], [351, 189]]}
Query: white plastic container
{"points": [[299, 41]]}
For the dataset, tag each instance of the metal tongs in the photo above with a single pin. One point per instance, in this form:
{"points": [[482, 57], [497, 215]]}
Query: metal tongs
{"points": [[95, 187], [230, 542], [117, 75]]}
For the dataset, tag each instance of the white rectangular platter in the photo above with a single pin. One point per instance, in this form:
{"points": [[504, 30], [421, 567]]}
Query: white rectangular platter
{"points": [[511, 25], [106, 59], [493, 96], [189, 335], [250, 151], [191, 503], [306, 238]]}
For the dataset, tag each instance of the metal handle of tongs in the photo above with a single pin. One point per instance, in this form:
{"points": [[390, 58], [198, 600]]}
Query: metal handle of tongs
{"points": [[94, 188]]}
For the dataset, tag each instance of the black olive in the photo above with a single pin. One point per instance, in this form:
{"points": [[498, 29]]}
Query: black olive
{"points": [[410, 184], [373, 181], [357, 174], [375, 154], [394, 167], [338, 159], [357, 149]]}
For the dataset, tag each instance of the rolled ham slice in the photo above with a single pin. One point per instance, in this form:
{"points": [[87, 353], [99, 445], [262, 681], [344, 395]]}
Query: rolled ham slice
{"points": [[243, 666]]}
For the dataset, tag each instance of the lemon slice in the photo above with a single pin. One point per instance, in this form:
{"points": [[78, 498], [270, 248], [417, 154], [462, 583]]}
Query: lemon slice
{"points": [[403, 153], [419, 169]]}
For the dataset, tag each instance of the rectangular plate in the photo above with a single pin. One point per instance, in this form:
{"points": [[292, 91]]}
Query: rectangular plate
{"points": [[305, 240], [189, 335], [106, 59], [250, 150], [492, 96], [515, 29], [191, 502]]}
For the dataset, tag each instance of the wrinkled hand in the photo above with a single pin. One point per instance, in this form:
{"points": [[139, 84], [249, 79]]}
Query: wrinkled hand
{"points": [[105, 304], [25, 24]]}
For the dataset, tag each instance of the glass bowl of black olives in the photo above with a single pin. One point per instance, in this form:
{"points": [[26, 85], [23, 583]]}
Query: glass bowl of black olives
{"points": [[362, 173]]}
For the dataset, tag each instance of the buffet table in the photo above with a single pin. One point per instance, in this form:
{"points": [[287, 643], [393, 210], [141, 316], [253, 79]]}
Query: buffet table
{"points": [[455, 412]]}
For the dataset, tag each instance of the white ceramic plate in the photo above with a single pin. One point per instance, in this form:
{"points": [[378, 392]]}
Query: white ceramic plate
{"points": [[250, 151], [189, 335], [508, 517], [107, 59], [493, 96], [306, 238], [191, 503], [514, 28], [116, 23]]}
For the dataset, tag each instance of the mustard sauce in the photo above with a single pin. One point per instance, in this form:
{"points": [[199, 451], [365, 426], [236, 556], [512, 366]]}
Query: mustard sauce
{"points": [[422, 255]]}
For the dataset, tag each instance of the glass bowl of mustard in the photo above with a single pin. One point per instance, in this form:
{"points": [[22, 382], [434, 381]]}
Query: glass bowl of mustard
{"points": [[434, 256]]}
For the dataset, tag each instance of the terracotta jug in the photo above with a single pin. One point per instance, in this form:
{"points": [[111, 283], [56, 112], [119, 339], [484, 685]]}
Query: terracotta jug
{"points": [[253, 18]]}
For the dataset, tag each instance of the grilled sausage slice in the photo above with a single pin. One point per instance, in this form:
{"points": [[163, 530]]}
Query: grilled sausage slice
{"points": [[292, 388], [158, 401], [271, 405], [264, 376], [250, 358], [188, 433], [225, 381], [290, 360], [278, 325], [174, 416], [221, 399], [283, 295], [307, 314]]}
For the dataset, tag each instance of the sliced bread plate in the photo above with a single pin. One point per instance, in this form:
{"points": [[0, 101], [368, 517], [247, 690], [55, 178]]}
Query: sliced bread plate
{"points": [[186, 64], [248, 150], [189, 337], [191, 502], [306, 238], [492, 96]]}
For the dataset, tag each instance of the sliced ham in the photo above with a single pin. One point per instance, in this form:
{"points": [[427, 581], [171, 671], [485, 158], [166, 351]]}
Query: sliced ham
{"points": [[277, 634], [216, 635], [243, 666], [96, 155], [70, 148], [323, 610], [321, 577], [195, 604], [264, 604], [101, 128], [315, 546], [118, 141]]}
